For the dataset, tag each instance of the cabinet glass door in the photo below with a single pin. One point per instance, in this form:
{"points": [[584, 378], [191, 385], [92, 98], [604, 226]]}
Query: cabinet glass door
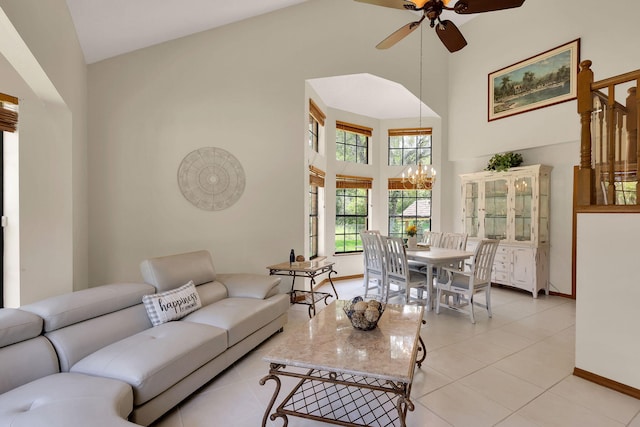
{"points": [[523, 208], [543, 233], [471, 208], [495, 209]]}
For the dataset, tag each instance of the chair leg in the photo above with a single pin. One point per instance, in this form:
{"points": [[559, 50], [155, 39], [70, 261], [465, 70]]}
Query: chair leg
{"points": [[488, 296], [438, 296], [473, 319]]}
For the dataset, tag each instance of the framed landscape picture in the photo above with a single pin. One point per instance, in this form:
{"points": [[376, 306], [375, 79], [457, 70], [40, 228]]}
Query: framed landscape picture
{"points": [[545, 79]]}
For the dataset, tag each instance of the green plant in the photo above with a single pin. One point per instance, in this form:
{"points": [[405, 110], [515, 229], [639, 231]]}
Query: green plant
{"points": [[502, 162]]}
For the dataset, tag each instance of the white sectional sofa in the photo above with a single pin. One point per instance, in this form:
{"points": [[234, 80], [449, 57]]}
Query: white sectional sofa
{"points": [[94, 358]]}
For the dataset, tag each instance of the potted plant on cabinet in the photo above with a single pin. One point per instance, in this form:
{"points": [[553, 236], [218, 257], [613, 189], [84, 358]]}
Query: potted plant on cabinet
{"points": [[504, 161]]}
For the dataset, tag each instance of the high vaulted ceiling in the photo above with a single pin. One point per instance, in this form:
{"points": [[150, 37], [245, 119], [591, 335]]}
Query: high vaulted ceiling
{"points": [[108, 28]]}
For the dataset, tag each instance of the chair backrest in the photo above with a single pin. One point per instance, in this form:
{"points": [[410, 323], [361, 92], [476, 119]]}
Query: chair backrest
{"points": [[432, 238], [373, 252], [454, 241], [483, 260], [396, 259]]}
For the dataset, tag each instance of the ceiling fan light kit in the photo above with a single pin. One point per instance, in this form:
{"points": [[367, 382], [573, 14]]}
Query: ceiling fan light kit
{"points": [[446, 30]]}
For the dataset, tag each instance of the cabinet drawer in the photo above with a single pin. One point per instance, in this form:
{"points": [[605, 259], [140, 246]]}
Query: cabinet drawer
{"points": [[502, 258], [500, 277], [500, 266]]}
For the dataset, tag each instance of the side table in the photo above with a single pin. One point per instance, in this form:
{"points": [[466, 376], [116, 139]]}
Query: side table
{"points": [[308, 269]]}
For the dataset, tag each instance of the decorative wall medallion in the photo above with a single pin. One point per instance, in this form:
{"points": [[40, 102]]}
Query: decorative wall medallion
{"points": [[211, 178]]}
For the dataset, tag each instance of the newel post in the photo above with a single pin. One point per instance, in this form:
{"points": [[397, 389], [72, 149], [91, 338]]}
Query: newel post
{"points": [[585, 175]]}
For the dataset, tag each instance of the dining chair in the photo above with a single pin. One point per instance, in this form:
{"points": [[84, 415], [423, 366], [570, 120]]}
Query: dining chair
{"points": [[373, 256], [398, 272], [464, 285], [432, 238], [454, 240]]}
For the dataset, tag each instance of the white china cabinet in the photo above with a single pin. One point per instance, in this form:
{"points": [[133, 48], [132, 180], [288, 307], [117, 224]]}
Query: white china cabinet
{"points": [[512, 206]]}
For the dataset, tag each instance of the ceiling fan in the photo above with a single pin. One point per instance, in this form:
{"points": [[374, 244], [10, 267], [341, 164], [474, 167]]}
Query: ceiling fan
{"points": [[446, 30]]}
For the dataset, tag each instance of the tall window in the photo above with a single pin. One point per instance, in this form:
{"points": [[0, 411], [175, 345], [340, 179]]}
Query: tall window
{"points": [[316, 181], [352, 142], [407, 204], [316, 119], [352, 212], [408, 207], [410, 146]]}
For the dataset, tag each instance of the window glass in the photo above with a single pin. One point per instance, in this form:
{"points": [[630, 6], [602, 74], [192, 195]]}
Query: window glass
{"points": [[352, 206], [352, 147], [409, 150], [408, 207]]}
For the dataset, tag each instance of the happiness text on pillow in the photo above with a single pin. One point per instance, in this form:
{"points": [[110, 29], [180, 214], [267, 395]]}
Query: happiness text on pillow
{"points": [[181, 304]]}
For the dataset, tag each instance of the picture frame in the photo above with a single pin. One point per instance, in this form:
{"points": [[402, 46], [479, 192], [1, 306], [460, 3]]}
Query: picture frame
{"points": [[545, 79]]}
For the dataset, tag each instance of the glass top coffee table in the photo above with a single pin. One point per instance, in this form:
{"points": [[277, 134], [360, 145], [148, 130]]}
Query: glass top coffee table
{"points": [[346, 376]]}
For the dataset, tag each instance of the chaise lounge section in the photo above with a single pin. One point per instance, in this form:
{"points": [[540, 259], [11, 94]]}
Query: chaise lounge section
{"points": [[58, 348]]}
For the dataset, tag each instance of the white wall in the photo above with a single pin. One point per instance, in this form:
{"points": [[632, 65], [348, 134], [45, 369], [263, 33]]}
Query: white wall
{"points": [[607, 315], [241, 88], [549, 135], [42, 65]]}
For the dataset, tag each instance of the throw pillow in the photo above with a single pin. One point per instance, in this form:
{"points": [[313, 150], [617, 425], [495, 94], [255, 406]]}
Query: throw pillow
{"points": [[173, 304]]}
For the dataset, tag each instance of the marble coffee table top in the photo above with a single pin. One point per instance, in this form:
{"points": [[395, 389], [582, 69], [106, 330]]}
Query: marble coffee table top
{"points": [[329, 342]]}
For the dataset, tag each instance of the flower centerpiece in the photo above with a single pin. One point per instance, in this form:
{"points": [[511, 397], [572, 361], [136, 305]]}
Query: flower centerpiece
{"points": [[412, 240]]}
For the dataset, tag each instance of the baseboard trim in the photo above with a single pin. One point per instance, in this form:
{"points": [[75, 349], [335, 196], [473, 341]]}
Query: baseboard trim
{"points": [[606, 382], [559, 294], [336, 279]]}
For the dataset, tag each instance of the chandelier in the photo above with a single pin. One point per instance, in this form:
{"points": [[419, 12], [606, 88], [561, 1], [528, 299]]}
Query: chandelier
{"points": [[422, 178]]}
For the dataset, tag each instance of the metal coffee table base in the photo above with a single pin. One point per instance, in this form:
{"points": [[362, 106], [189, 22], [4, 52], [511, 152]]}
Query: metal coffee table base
{"points": [[339, 398]]}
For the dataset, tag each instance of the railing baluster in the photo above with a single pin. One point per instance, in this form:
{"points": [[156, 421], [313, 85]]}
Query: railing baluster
{"points": [[637, 140], [606, 156]]}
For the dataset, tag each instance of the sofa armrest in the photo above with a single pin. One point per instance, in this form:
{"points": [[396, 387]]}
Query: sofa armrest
{"points": [[243, 285]]}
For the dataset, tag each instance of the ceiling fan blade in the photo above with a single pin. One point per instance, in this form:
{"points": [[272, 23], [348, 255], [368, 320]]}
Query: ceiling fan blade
{"points": [[395, 4], [479, 6], [398, 35], [450, 36]]}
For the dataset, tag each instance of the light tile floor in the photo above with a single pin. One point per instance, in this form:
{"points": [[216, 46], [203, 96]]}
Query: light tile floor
{"points": [[511, 370]]}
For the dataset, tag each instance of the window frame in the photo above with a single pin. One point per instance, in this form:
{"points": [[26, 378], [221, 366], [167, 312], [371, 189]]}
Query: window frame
{"points": [[316, 119], [409, 147], [360, 135], [405, 220], [316, 181], [362, 186]]}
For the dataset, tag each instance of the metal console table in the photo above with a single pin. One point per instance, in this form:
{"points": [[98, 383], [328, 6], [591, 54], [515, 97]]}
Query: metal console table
{"points": [[310, 270]]}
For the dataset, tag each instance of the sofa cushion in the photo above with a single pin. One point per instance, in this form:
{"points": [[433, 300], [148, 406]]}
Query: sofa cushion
{"points": [[17, 325], [67, 400], [26, 361], [74, 307], [242, 285], [211, 292], [169, 272], [77, 341], [172, 305], [157, 358], [240, 316]]}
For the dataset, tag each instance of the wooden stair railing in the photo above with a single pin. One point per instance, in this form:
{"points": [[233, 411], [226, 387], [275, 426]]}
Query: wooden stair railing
{"points": [[609, 148]]}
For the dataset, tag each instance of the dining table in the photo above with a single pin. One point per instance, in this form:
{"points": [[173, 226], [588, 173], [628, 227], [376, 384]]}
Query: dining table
{"points": [[435, 258]]}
